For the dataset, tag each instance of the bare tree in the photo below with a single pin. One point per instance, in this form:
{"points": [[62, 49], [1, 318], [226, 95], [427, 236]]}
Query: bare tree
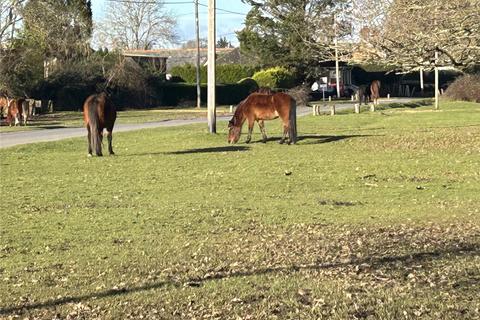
{"points": [[136, 25], [10, 17], [411, 33]]}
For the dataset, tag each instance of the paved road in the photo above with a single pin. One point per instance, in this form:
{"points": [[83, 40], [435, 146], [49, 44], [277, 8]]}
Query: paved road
{"points": [[8, 139]]}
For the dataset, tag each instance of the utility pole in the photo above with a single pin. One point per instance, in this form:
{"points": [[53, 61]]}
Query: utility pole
{"points": [[421, 80], [436, 59], [337, 68], [212, 125], [199, 101], [437, 89]]}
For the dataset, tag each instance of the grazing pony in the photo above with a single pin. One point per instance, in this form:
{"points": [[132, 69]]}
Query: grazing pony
{"points": [[99, 113], [375, 91], [264, 106], [369, 93]]}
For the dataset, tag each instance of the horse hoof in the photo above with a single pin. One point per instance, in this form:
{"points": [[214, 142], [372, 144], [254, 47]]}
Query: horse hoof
{"points": [[264, 141], [112, 153], [247, 141], [281, 142], [89, 155]]}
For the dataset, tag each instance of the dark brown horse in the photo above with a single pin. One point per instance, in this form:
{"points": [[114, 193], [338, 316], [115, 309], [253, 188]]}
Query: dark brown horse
{"points": [[369, 93], [263, 106], [99, 113]]}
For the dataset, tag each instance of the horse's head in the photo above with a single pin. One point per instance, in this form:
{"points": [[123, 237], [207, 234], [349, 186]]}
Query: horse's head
{"points": [[233, 131]]}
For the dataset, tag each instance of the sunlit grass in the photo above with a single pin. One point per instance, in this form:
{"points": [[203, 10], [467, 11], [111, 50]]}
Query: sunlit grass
{"points": [[372, 215]]}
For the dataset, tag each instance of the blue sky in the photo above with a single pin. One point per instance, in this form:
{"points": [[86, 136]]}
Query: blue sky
{"points": [[227, 23]]}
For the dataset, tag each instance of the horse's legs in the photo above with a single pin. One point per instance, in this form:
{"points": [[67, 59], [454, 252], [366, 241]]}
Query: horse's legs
{"points": [[109, 137], [261, 124], [285, 133], [250, 130], [89, 137]]}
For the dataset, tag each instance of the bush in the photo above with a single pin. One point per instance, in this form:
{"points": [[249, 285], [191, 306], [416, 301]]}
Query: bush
{"points": [[225, 73], [277, 77], [252, 84], [466, 88], [233, 73]]}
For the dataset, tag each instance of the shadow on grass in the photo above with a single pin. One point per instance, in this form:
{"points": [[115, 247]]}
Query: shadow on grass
{"points": [[210, 150], [375, 262], [411, 105], [318, 139]]}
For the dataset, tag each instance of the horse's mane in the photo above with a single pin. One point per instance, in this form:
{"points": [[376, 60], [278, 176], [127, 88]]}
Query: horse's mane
{"points": [[264, 90]]}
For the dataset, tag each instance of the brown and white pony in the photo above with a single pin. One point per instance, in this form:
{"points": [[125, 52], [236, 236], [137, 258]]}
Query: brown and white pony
{"points": [[264, 106], [15, 111], [99, 113]]}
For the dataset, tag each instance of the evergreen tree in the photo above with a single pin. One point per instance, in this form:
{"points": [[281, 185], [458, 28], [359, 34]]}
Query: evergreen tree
{"points": [[293, 33]]}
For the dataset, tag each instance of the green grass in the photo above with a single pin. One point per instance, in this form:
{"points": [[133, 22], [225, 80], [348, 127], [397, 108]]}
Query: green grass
{"points": [[369, 216], [72, 119]]}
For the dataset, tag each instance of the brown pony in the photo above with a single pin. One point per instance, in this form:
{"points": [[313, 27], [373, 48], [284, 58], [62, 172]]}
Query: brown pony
{"points": [[99, 113], [4, 102], [375, 91], [15, 112], [369, 93], [263, 106]]}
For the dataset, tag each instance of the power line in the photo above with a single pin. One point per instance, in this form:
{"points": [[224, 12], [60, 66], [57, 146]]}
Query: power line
{"points": [[178, 2], [224, 10], [151, 2]]}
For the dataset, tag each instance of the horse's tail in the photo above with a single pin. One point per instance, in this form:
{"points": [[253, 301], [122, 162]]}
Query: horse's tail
{"points": [[293, 121], [93, 122]]}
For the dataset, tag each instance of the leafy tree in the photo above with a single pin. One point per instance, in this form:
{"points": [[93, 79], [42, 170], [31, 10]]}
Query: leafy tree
{"points": [[10, 19], [52, 30], [295, 33], [61, 29]]}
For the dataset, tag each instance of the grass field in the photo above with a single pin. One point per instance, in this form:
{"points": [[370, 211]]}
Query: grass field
{"points": [[72, 119], [373, 216]]}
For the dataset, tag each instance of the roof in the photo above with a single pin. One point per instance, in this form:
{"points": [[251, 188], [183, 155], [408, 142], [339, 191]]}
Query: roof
{"points": [[169, 53]]}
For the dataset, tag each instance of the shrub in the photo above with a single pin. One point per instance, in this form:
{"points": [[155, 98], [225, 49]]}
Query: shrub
{"points": [[233, 73], [300, 94], [249, 82], [466, 88], [225, 73], [188, 73], [277, 77]]}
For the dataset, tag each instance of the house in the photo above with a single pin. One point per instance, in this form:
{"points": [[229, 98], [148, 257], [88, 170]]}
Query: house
{"points": [[164, 60]]}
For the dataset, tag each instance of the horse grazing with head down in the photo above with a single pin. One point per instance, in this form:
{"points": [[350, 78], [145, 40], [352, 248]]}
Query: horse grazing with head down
{"points": [[369, 93], [375, 91], [99, 113], [264, 106]]}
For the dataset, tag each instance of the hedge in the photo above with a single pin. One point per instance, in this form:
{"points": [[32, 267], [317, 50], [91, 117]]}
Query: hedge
{"points": [[277, 77], [225, 73], [157, 93]]}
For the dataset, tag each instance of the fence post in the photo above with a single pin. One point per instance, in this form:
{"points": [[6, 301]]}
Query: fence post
{"points": [[330, 98], [388, 96], [231, 108], [372, 107], [332, 109]]}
